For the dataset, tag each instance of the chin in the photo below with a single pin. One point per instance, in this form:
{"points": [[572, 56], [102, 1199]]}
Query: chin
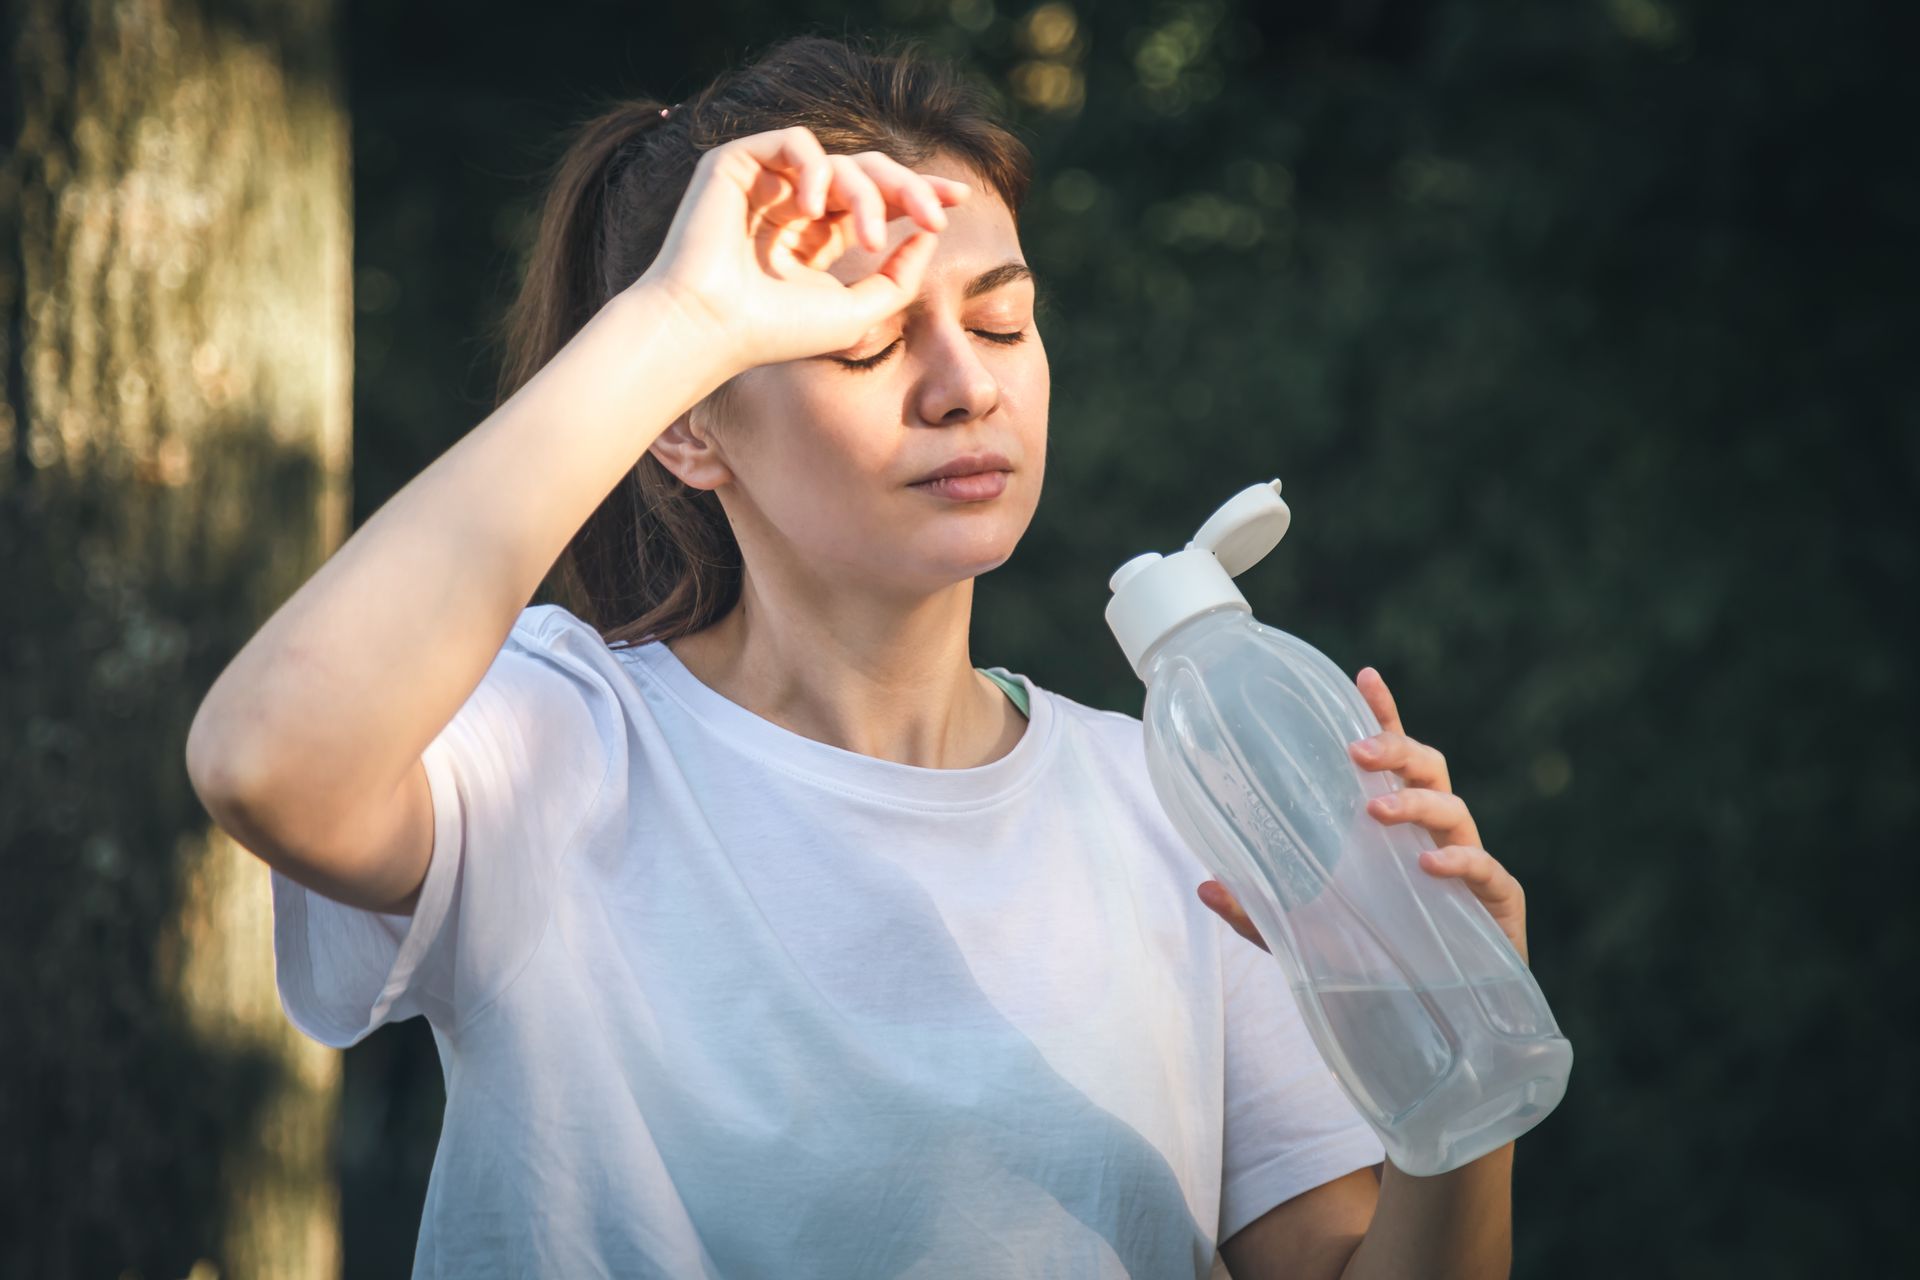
{"points": [[979, 561], [932, 571]]}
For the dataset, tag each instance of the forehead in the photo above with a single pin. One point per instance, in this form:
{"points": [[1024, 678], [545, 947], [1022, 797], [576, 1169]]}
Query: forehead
{"points": [[980, 235]]}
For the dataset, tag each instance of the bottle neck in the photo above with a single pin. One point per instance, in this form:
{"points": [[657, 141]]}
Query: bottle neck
{"points": [[1187, 634]]}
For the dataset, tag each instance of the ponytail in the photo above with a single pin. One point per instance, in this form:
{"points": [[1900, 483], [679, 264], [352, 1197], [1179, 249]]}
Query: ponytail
{"points": [[657, 558], [570, 273]]}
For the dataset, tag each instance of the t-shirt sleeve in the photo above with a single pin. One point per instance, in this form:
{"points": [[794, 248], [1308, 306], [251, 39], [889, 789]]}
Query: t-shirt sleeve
{"points": [[1289, 1125], [513, 776]]}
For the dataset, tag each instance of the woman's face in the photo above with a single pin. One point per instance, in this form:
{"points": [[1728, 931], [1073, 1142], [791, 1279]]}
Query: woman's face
{"points": [[816, 460]]}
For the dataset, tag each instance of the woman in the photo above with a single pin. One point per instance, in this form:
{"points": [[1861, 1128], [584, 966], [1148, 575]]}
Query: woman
{"points": [[760, 932]]}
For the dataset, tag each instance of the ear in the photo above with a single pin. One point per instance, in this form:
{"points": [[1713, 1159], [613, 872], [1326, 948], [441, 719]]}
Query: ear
{"points": [[687, 449]]}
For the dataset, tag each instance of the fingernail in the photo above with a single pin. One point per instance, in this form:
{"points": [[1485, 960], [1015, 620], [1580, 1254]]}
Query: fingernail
{"points": [[1366, 746]]}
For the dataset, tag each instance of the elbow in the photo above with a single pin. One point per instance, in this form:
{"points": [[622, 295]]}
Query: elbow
{"points": [[225, 773], [236, 798], [212, 766]]}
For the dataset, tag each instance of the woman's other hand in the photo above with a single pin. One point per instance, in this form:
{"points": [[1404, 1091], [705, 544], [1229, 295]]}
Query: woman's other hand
{"points": [[1428, 800]]}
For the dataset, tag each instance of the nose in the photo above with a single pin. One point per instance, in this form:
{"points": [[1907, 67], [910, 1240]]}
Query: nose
{"points": [[958, 386]]}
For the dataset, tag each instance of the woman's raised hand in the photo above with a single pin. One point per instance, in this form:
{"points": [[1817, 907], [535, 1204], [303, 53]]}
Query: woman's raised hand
{"points": [[760, 223]]}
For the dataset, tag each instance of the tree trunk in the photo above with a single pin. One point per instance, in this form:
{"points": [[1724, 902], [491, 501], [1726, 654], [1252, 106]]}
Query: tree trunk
{"points": [[174, 447]]}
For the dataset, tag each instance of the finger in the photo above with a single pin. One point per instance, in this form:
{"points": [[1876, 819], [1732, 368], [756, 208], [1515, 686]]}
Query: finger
{"points": [[1374, 688], [1419, 764], [1442, 813], [1464, 862], [1491, 884], [795, 154], [854, 193], [1223, 904], [898, 278], [949, 190], [1481, 871], [904, 189], [773, 200]]}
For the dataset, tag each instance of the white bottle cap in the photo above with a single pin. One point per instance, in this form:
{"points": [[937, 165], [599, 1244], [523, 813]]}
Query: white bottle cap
{"points": [[1153, 594]]}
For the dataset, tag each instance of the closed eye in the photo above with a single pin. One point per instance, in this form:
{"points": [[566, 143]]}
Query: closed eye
{"points": [[1005, 339]]}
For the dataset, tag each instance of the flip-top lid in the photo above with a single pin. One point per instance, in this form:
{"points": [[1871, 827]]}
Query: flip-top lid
{"points": [[1153, 594]]}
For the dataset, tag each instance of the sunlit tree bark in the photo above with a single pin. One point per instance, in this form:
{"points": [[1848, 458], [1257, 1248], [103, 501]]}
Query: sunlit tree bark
{"points": [[174, 447]]}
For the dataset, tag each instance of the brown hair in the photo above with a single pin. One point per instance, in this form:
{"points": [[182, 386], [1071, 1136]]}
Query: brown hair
{"points": [[657, 559]]}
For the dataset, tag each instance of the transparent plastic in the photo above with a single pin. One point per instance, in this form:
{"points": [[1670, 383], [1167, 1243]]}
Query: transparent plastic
{"points": [[1431, 1022]]}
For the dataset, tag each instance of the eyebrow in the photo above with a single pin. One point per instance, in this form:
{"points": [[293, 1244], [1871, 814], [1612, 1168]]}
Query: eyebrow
{"points": [[1004, 274], [986, 282]]}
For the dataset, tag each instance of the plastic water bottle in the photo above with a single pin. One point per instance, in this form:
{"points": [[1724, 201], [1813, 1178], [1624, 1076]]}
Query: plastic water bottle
{"points": [[1417, 1000]]}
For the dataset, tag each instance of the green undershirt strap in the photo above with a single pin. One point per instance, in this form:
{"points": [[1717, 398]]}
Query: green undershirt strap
{"points": [[1015, 690]]}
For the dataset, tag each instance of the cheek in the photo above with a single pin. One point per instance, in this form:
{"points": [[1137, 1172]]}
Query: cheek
{"points": [[817, 435], [828, 483], [1035, 396], [1034, 381]]}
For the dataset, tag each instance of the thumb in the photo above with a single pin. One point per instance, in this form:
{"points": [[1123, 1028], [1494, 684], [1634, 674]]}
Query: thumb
{"points": [[897, 280], [1221, 902]]}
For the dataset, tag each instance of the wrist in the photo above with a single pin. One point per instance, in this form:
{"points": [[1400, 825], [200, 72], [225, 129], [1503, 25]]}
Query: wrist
{"points": [[695, 332]]}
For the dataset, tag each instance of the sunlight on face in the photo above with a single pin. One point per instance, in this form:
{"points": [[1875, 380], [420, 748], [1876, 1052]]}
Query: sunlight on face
{"points": [[823, 454]]}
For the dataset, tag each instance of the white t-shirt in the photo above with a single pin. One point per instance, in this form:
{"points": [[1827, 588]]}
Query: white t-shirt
{"points": [[715, 999]]}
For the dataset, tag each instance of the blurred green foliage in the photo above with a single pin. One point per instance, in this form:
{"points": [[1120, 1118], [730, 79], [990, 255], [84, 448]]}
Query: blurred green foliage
{"points": [[1573, 332]]}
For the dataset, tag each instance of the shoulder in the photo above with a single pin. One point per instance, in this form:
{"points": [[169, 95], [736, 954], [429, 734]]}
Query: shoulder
{"points": [[1113, 733], [1109, 754], [554, 636], [555, 666], [541, 625]]}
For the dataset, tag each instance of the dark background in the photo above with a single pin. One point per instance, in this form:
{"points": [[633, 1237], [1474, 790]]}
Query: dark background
{"points": [[1575, 334]]}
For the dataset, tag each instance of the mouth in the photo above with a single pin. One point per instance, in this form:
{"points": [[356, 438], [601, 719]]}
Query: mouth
{"points": [[977, 486], [971, 464]]}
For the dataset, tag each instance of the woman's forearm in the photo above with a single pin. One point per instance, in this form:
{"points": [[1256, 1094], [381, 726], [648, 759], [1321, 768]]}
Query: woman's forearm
{"points": [[344, 686], [1451, 1226]]}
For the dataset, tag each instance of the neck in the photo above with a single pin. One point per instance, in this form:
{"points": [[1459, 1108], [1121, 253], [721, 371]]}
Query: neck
{"points": [[892, 684]]}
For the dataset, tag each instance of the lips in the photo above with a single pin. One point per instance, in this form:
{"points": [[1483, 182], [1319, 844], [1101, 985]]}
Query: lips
{"points": [[978, 487], [967, 465]]}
